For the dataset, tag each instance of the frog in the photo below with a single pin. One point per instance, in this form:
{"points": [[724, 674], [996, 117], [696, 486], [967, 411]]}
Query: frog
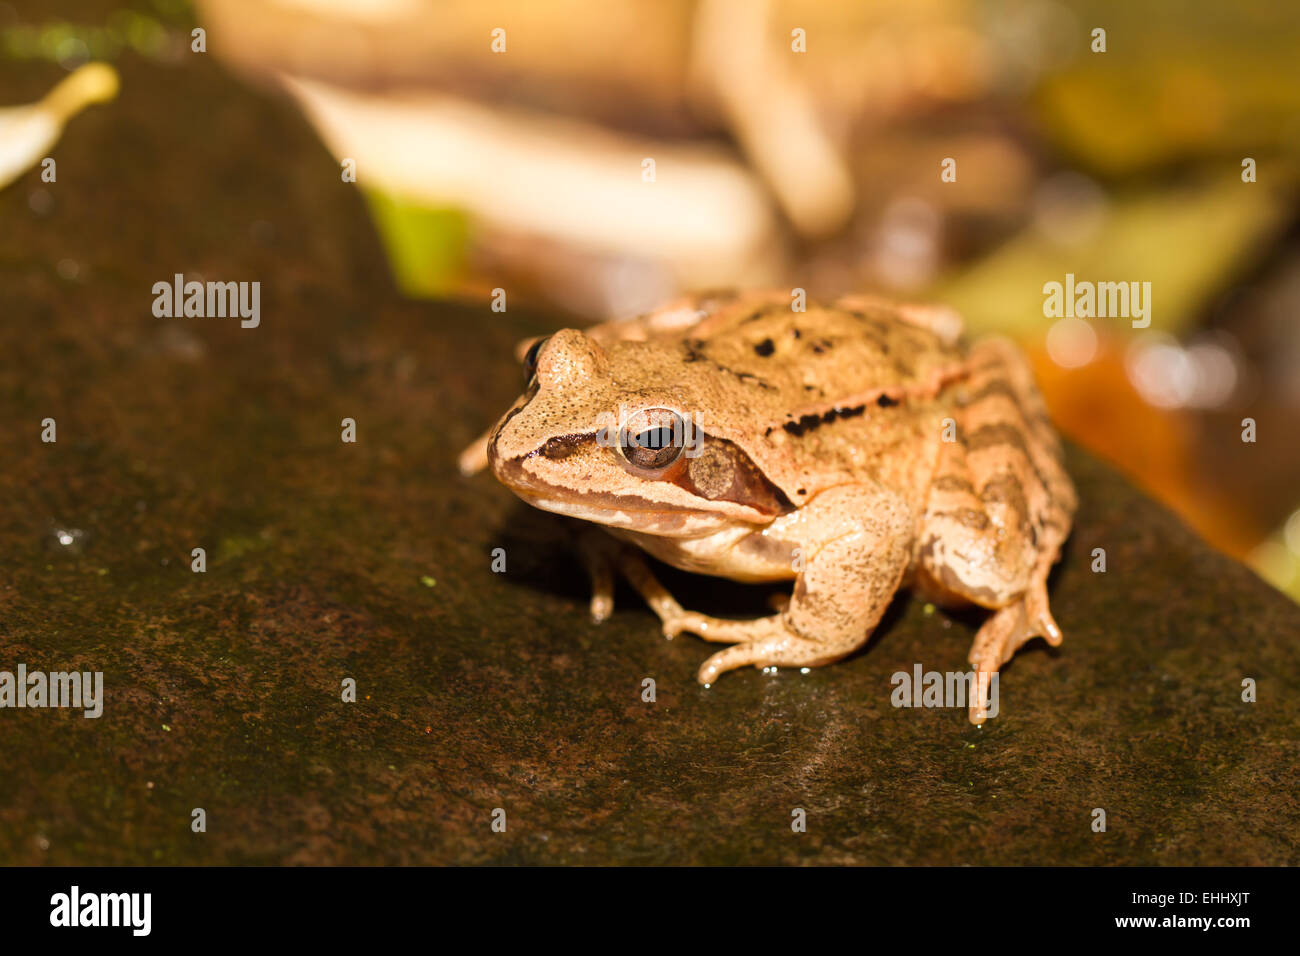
{"points": [[855, 448]]}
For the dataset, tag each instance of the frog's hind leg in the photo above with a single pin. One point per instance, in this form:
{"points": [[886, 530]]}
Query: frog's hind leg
{"points": [[999, 509]]}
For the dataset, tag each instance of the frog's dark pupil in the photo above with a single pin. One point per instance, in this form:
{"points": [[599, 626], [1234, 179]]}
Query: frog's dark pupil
{"points": [[655, 447], [655, 438]]}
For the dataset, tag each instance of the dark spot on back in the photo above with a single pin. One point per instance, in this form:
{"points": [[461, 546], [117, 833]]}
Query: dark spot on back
{"points": [[805, 424], [695, 353], [765, 348], [694, 350], [749, 378]]}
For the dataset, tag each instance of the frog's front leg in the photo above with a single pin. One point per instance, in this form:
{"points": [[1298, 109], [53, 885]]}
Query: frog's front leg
{"points": [[602, 556], [855, 543]]}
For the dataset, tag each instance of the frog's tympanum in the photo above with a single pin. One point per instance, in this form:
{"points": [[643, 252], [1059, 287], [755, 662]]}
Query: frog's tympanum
{"points": [[854, 448]]}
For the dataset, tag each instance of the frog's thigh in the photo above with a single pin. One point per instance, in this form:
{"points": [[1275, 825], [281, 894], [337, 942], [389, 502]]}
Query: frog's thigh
{"points": [[856, 552], [971, 549], [999, 508], [989, 497]]}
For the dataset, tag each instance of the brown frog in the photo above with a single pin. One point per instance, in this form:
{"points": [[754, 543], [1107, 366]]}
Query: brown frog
{"points": [[855, 448]]}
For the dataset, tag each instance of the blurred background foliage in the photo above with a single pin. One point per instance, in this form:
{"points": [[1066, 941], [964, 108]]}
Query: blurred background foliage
{"points": [[800, 144]]}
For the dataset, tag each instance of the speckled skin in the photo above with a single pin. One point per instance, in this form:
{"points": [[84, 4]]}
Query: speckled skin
{"points": [[855, 448]]}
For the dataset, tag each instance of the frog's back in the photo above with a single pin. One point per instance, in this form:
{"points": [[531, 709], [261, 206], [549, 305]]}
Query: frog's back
{"points": [[825, 396], [852, 349]]}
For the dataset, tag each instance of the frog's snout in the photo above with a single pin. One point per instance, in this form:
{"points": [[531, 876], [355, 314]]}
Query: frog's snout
{"points": [[568, 360]]}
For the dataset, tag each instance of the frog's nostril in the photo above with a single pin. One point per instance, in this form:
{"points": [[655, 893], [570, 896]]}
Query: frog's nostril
{"points": [[531, 357]]}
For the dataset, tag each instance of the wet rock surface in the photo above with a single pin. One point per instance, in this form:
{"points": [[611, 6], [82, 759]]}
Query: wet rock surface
{"points": [[479, 690]]}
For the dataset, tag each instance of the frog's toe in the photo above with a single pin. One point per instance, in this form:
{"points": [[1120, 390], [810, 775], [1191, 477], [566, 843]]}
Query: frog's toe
{"points": [[1041, 623], [716, 629], [1004, 633], [779, 649], [602, 606], [995, 643], [978, 710], [728, 660]]}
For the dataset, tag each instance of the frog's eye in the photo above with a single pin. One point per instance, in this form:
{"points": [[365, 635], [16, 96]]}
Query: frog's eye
{"points": [[530, 358], [653, 438]]}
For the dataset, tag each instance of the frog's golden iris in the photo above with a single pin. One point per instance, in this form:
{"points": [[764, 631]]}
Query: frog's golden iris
{"points": [[653, 438]]}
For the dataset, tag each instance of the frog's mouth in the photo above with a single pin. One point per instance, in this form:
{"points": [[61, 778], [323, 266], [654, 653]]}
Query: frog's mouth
{"points": [[597, 489], [615, 509]]}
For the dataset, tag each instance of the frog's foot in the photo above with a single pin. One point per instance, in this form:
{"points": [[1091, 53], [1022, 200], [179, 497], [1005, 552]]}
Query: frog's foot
{"points": [[1004, 633], [765, 642], [720, 630]]}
